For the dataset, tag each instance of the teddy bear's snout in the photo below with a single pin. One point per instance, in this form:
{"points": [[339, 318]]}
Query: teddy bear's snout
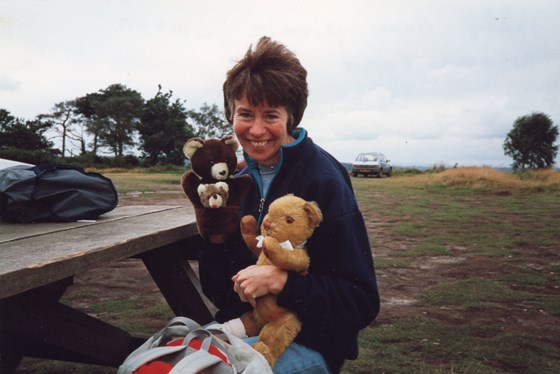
{"points": [[220, 171], [266, 224]]}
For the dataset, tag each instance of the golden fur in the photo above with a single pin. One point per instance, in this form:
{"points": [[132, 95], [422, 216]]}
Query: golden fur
{"points": [[293, 219]]}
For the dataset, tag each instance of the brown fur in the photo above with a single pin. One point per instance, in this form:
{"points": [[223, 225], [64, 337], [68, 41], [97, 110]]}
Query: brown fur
{"points": [[218, 224], [213, 195], [289, 218]]}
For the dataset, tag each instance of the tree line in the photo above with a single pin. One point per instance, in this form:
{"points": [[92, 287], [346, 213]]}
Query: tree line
{"points": [[110, 121], [117, 118]]}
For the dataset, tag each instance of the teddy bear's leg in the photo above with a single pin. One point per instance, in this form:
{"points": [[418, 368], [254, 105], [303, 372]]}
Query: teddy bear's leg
{"points": [[296, 260], [276, 336], [250, 324], [250, 231]]}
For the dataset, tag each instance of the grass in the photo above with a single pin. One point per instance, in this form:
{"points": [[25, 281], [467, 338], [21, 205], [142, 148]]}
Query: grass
{"points": [[465, 324], [144, 180], [489, 306], [419, 345]]}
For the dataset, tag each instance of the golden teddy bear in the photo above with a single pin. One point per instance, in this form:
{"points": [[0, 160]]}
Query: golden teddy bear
{"points": [[290, 221]]}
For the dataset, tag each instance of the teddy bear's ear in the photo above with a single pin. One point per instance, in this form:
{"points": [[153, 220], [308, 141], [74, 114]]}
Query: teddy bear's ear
{"points": [[223, 185], [230, 141], [314, 213], [201, 189], [192, 146]]}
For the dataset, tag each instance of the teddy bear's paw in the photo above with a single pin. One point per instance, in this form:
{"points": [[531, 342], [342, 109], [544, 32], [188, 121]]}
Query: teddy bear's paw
{"points": [[249, 225], [291, 260]]}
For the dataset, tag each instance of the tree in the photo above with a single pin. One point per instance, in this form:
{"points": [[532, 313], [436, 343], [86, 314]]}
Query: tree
{"points": [[531, 142], [163, 129], [24, 140], [112, 114], [63, 117], [209, 122], [90, 124]]}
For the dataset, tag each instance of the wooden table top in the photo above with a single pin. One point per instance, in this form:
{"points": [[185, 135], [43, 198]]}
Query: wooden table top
{"points": [[36, 254]]}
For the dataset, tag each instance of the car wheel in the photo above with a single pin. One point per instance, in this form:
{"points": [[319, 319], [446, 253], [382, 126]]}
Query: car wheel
{"points": [[390, 172], [354, 175]]}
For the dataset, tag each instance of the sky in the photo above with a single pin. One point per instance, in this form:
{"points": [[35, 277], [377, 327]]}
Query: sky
{"points": [[426, 82]]}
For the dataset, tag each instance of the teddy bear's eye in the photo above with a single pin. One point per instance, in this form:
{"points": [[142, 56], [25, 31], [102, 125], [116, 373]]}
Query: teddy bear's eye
{"points": [[289, 220]]}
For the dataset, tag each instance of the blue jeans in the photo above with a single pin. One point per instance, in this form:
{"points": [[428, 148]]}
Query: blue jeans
{"points": [[297, 359]]}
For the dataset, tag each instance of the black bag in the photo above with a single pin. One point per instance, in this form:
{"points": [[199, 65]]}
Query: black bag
{"points": [[54, 193]]}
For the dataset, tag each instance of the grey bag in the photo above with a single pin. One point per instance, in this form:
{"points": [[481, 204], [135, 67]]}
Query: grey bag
{"points": [[240, 357], [54, 193]]}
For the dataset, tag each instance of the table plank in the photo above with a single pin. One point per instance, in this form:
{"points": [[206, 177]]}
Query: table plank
{"points": [[14, 231], [38, 256]]}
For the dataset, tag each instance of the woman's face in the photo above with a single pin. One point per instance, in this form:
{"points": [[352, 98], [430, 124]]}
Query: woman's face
{"points": [[261, 130]]}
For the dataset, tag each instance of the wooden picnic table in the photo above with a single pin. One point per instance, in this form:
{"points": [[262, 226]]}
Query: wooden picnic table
{"points": [[38, 262]]}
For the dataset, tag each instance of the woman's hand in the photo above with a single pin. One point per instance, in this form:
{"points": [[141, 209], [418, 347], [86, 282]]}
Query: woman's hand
{"points": [[255, 281]]}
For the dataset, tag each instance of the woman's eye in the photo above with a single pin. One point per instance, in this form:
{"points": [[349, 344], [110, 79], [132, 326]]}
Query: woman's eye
{"points": [[244, 115], [271, 117]]}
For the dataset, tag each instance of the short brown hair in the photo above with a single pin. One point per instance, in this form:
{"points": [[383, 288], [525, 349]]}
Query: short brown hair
{"points": [[270, 73]]}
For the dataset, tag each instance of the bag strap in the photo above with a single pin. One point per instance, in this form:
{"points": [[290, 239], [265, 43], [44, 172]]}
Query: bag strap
{"points": [[177, 327], [203, 335], [184, 321], [220, 341]]}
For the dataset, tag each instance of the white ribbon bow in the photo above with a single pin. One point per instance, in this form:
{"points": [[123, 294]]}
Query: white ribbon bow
{"points": [[286, 245]]}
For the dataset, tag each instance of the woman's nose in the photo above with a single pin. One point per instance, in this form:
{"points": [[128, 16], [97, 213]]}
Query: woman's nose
{"points": [[258, 128]]}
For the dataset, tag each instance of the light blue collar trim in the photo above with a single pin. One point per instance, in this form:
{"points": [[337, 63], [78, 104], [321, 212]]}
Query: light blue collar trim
{"points": [[298, 134]]}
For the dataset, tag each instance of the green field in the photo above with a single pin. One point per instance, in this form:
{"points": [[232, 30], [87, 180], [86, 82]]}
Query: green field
{"points": [[468, 267]]}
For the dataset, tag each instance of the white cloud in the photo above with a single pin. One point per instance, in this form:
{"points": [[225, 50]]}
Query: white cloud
{"points": [[431, 81], [7, 83]]}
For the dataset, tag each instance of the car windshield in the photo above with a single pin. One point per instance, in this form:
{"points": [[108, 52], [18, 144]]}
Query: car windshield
{"points": [[367, 157]]}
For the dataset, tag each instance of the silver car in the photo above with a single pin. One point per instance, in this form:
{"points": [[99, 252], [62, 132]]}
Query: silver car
{"points": [[371, 163]]}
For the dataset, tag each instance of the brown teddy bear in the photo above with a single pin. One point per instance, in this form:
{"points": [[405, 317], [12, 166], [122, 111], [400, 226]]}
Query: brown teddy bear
{"points": [[213, 195], [290, 221], [212, 161]]}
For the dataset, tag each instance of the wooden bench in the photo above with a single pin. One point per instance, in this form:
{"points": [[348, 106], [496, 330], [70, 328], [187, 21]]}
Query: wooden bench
{"points": [[38, 262]]}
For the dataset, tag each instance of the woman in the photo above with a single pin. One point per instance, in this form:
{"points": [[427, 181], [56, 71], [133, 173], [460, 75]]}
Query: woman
{"points": [[265, 95]]}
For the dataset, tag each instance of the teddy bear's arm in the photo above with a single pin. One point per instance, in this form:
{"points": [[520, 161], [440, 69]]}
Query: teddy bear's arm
{"points": [[190, 183], [291, 260], [250, 231]]}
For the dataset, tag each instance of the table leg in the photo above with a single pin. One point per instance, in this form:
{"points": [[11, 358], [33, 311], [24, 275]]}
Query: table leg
{"points": [[177, 281], [35, 324]]}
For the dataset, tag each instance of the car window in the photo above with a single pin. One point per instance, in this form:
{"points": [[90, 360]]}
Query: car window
{"points": [[367, 157]]}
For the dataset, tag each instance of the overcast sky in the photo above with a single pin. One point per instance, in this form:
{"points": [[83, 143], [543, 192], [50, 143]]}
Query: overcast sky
{"points": [[425, 82]]}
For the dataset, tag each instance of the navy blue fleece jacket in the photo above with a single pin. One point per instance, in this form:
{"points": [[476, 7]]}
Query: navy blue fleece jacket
{"points": [[339, 296]]}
